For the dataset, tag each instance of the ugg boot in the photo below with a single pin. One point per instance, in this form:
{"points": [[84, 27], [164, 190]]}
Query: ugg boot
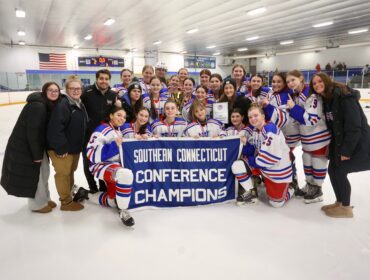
{"points": [[43, 210], [71, 206], [52, 204], [329, 206], [340, 212]]}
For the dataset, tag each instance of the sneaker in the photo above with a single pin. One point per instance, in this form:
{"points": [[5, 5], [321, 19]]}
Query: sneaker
{"points": [[79, 194], [71, 206], [126, 218], [52, 204], [314, 194], [340, 212], [248, 197]]}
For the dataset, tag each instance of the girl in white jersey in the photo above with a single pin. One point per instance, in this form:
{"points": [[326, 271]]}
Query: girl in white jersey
{"points": [[266, 152], [201, 94], [104, 152], [307, 110], [170, 126], [154, 101], [201, 126], [148, 73], [237, 127], [139, 127]]}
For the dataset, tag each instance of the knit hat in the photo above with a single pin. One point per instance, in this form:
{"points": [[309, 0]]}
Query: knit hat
{"points": [[134, 86], [229, 81]]}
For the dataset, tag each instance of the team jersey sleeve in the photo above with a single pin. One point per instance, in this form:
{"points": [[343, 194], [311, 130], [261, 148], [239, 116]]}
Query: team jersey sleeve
{"points": [[99, 150], [311, 114]]}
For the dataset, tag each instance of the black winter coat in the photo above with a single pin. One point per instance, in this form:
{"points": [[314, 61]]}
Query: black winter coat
{"points": [[67, 127], [97, 106], [20, 175], [350, 130]]}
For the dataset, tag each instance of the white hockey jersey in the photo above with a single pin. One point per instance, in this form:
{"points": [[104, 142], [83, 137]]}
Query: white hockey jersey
{"points": [[232, 131], [102, 149], [271, 152], [212, 128], [158, 104], [186, 109], [129, 130], [163, 129], [308, 111]]}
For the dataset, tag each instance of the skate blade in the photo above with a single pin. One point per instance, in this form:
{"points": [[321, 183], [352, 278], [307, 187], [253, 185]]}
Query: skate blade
{"points": [[317, 199]]}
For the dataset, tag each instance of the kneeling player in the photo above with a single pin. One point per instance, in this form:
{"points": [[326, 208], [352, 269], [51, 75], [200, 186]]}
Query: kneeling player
{"points": [[104, 152], [267, 153]]}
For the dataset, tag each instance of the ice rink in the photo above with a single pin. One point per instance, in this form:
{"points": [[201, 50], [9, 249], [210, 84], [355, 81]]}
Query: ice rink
{"points": [[214, 242]]}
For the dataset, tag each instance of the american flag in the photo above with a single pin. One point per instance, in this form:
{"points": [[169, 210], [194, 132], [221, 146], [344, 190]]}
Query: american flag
{"points": [[53, 61]]}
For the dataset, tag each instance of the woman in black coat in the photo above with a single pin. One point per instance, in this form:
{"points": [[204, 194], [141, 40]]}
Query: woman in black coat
{"points": [[349, 149], [25, 170]]}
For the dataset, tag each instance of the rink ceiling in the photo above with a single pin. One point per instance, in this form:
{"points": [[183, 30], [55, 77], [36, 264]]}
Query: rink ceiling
{"points": [[225, 24]]}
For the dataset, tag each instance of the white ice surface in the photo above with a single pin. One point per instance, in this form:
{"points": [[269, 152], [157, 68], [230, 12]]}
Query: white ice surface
{"points": [[215, 242]]}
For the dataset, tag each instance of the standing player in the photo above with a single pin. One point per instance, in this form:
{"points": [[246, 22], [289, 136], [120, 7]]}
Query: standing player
{"points": [[154, 101]]}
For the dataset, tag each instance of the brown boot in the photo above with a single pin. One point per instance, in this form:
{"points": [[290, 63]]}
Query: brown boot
{"points": [[330, 206], [43, 210], [71, 206], [340, 212], [52, 204]]}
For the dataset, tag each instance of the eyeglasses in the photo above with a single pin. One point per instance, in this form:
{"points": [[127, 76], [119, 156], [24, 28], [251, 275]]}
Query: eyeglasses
{"points": [[75, 89], [53, 90]]}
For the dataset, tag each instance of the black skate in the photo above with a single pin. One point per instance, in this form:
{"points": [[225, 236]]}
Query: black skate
{"points": [[79, 194], [126, 218], [314, 194], [248, 197]]}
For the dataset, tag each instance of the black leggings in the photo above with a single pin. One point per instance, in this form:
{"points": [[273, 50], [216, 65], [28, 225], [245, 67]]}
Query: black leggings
{"points": [[339, 181]]}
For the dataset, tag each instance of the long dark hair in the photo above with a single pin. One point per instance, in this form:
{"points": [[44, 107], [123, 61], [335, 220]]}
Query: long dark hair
{"points": [[153, 111], [113, 109], [329, 86], [50, 104], [142, 129]]}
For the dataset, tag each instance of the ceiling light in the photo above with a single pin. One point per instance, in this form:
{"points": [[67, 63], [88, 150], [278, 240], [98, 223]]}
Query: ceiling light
{"points": [[183, 52], [109, 21], [20, 13], [356, 31], [252, 38], [216, 53], [88, 37], [288, 42], [322, 24], [211, 47], [21, 43], [256, 11], [76, 46], [157, 42], [242, 49], [191, 31], [21, 33]]}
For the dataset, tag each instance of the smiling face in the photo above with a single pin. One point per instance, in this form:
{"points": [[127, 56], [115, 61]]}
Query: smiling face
{"points": [[201, 94], [200, 113], [229, 91], [278, 83], [183, 74], [256, 83], [170, 109], [52, 92], [294, 82], [236, 119], [214, 84], [74, 90], [256, 118], [148, 73], [318, 85], [142, 117], [126, 77], [204, 80], [188, 86], [103, 81], [118, 118], [155, 86], [174, 82], [238, 73]]}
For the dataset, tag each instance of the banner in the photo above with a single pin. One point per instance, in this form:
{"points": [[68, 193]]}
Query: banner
{"points": [[101, 61], [171, 172], [200, 62]]}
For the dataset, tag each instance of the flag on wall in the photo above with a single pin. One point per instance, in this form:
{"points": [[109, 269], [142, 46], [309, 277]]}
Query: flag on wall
{"points": [[53, 61]]}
